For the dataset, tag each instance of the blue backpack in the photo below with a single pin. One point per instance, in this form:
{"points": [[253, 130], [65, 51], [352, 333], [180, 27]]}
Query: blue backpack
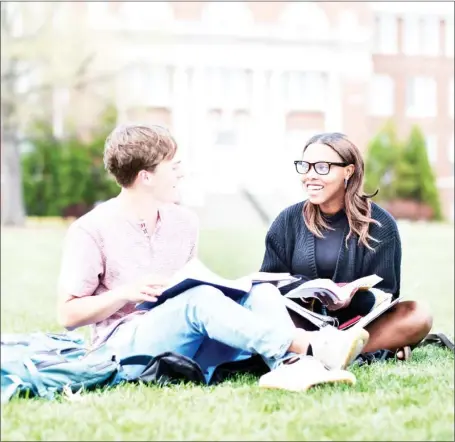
{"points": [[43, 364]]}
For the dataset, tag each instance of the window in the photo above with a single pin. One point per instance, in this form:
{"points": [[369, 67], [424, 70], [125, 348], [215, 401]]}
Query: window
{"points": [[386, 34], [228, 87], [305, 90], [432, 148], [421, 97], [382, 96], [430, 35], [228, 131], [411, 35], [449, 37]]}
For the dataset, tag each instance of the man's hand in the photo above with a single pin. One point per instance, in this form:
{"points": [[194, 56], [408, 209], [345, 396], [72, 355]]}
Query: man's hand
{"points": [[343, 304], [147, 289]]}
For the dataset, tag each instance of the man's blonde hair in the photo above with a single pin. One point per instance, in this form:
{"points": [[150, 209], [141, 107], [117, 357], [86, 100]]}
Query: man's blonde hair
{"points": [[131, 148]]}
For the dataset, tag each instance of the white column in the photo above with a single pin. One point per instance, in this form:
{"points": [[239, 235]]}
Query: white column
{"points": [[275, 128], [256, 151], [181, 111], [198, 134], [277, 111], [120, 97], [334, 113], [258, 110]]}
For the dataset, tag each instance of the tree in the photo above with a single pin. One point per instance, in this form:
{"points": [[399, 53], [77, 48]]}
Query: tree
{"points": [[35, 61], [415, 179], [381, 156]]}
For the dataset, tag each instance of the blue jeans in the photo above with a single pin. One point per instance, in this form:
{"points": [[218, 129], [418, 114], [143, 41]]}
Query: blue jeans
{"points": [[211, 328]]}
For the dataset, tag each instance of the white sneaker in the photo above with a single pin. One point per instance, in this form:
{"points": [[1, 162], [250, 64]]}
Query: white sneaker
{"points": [[303, 374], [338, 348]]}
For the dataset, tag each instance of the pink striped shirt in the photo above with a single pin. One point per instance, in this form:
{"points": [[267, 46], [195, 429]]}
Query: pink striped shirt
{"points": [[106, 249]]}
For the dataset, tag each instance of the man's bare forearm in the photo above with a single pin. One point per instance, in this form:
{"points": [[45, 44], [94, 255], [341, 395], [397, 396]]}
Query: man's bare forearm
{"points": [[77, 312]]}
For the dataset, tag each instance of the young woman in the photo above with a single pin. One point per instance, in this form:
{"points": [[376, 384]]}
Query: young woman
{"points": [[339, 234]]}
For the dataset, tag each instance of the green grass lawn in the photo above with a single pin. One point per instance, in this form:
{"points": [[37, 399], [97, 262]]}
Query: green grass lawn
{"points": [[394, 401]]}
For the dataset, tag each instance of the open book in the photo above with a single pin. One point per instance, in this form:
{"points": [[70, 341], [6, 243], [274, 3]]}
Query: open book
{"points": [[195, 273], [385, 303], [328, 292]]}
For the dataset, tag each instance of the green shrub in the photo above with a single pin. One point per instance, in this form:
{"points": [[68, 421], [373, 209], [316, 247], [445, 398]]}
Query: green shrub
{"points": [[382, 155], [59, 173], [401, 170], [415, 179]]}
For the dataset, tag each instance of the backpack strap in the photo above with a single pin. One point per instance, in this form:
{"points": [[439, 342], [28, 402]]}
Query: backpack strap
{"points": [[11, 388], [34, 373], [136, 360]]}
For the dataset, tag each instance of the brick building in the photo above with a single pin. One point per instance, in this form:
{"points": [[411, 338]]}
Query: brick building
{"points": [[244, 84]]}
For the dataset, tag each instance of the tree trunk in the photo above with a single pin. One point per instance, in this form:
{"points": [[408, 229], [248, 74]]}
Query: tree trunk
{"points": [[12, 200]]}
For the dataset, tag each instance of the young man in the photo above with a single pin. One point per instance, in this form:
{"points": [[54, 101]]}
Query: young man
{"points": [[125, 250]]}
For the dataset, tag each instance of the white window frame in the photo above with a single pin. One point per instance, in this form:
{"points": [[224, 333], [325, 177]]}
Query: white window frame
{"points": [[386, 33], [382, 96], [424, 97], [228, 88], [305, 90], [430, 35], [411, 34], [431, 144]]}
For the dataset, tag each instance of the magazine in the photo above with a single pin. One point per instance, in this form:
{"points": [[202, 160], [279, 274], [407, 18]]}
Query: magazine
{"points": [[315, 318], [385, 304], [328, 292], [195, 273]]}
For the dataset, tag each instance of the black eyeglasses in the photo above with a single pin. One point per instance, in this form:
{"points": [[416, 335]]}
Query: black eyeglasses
{"points": [[321, 167]]}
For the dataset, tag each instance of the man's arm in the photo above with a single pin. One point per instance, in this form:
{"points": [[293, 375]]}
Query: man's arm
{"points": [[74, 312], [81, 269]]}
